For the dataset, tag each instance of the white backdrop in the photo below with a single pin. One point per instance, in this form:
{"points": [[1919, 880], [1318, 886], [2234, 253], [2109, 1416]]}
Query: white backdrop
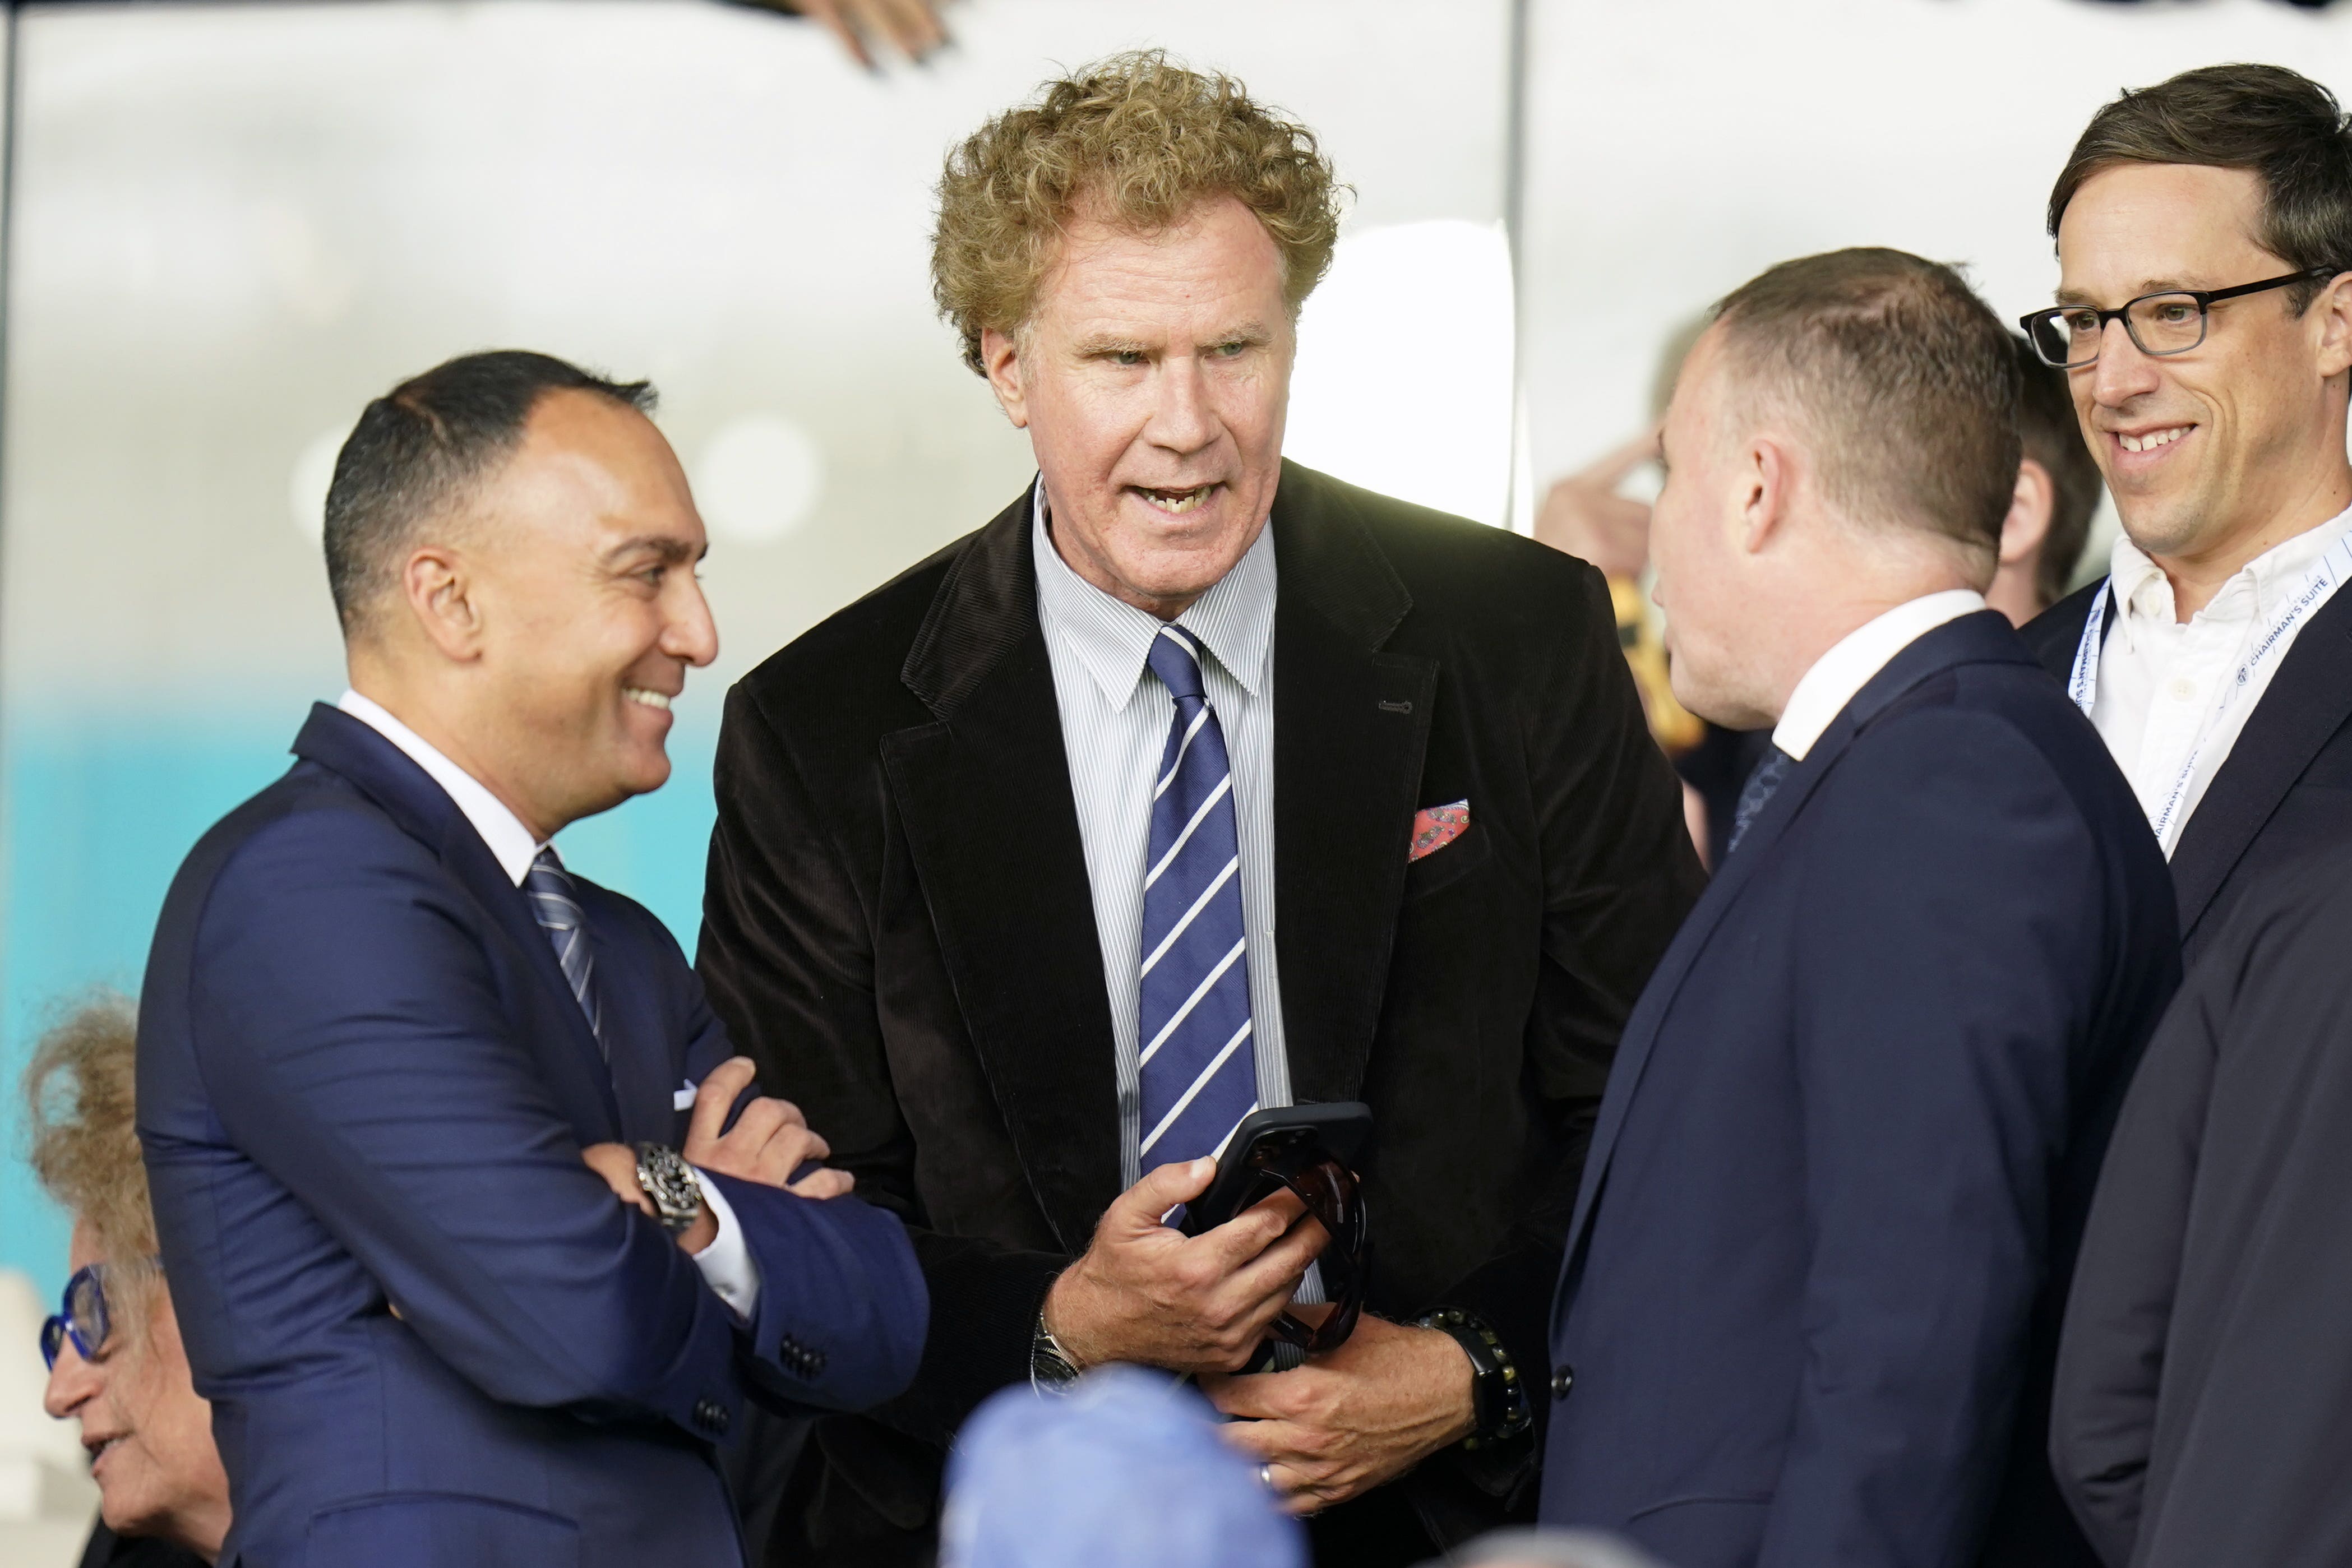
{"points": [[1677, 148]]}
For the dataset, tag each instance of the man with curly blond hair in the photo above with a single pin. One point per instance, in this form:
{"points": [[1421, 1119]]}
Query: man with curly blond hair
{"points": [[1033, 885]]}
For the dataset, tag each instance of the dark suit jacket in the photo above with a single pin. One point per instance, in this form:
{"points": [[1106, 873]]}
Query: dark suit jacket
{"points": [[2203, 1412], [2285, 792], [900, 926], [364, 1083], [107, 1550], [1823, 1235]]}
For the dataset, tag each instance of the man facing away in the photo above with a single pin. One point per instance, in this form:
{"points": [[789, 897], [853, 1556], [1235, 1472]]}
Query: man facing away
{"points": [[2042, 539], [2204, 228], [1814, 1269], [1195, 781], [396, 1063]]}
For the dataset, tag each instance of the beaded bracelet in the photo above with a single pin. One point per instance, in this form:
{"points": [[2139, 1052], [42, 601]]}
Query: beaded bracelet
{"points": [[1500, 1396]]}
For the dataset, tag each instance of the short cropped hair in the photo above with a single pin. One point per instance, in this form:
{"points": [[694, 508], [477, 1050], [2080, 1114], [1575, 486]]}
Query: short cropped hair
{"points": [[2052, 436], [79, 1093], [420, 449], [2281, 124], [1903, 375], [1140, 141]]}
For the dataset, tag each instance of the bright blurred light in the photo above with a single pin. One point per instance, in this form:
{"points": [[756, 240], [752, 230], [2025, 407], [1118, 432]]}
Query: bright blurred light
{"points": [[307, 486], [759, 475], [1403, 383]]}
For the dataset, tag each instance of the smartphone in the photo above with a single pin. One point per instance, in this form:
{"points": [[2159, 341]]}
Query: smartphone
{"points": [[1342, 1129]]}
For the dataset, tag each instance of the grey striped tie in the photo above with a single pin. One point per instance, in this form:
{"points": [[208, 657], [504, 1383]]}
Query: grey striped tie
{"points": [[555, 905]]}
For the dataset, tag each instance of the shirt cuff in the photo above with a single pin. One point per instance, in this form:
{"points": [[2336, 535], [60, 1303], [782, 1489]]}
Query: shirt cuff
{"points": [[727, 1264]]}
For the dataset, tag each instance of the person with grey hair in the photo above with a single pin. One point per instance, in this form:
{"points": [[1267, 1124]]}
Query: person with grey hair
{"points": [[1813, 1273]]}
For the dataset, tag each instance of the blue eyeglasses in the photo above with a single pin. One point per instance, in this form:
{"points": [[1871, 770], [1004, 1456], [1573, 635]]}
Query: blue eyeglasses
{"points": [[85, 1318]]}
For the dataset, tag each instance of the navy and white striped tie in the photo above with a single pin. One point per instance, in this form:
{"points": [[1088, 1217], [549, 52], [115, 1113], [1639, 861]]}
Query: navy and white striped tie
{"points": [[1199, 1067], [555, 905]]}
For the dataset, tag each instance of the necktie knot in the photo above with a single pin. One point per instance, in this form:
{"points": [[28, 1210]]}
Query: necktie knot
{"points": [[1175, 658], [547, 870]]}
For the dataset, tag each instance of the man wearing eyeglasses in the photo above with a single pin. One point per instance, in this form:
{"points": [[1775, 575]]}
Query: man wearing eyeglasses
{"points": [[2204, 319], [2204, 231]]}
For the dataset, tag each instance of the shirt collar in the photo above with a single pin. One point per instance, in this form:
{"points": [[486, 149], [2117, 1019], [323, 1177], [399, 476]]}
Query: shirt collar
{"points": [[1851, 663], [1113, 639], [2143, 595], [500, 829]]}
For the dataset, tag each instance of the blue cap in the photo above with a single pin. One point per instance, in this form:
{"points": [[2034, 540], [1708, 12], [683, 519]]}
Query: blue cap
{"points": [[1127, 1467]]}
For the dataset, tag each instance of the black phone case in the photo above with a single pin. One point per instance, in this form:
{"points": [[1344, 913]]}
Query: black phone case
{"points": [[1342, 1129]]}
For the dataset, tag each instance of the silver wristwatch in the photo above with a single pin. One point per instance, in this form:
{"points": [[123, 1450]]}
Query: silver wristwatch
{"points": [[1051, 1370], [671, 1185]]}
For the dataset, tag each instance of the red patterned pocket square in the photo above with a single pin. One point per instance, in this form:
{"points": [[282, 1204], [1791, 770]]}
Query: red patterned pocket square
{"points": [[1434, 827]]}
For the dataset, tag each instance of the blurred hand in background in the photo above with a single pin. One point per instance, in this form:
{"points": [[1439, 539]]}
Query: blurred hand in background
{"points": [[1584, 514], [912, 28]]}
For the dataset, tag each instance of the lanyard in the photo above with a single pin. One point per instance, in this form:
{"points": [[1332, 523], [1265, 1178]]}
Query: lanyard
{"points": [[2314, 589]]}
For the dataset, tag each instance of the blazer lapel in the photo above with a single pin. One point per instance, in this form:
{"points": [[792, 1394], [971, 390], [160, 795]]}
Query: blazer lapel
{"points": [[1350, 725], [422, 808], [1971, 638], [2307, 702], [1657, 998], [993, 827]]}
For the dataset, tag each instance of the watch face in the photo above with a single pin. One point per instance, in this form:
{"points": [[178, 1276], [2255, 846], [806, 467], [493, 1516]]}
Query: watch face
{"points": [[670, 1183]]}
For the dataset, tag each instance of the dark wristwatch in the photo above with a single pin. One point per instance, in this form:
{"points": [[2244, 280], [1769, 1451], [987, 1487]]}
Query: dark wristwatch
{"points": [[1498, 1394], [671, 1184]]}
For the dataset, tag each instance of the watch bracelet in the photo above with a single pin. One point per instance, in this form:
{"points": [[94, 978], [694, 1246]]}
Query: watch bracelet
{"points": [[648, 1156], [1499, 1393], [1051, 1371]]}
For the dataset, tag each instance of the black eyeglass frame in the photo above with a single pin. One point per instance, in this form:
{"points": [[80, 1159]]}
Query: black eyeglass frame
{"points": [[2206, 298]]}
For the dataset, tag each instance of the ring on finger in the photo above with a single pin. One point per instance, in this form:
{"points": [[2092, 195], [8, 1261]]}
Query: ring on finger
{"points": [[1265, 1477]]}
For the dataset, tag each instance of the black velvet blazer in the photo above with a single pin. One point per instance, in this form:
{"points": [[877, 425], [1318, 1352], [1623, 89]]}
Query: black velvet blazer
{"points": [[2285, 792], [899, 929]]}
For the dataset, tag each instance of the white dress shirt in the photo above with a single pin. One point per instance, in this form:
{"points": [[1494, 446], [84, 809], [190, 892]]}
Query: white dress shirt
{"points": [[2161, 680], [1837, 676], [727, 1265]]}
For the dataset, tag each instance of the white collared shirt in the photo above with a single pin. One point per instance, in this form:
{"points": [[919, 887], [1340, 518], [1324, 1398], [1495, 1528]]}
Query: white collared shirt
{"points": [[2161, 679], [727, 1265], [1837, 676]]}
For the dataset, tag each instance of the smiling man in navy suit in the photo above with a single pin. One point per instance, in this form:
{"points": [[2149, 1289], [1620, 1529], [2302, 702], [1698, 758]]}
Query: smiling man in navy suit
{"points": [[1816, 1264], [476, 1240]]}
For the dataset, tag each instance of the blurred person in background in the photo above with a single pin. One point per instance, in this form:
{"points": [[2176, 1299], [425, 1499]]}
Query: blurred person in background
{"points": [[1125, 1470], [396, 1062], [2042, 541], [2058, 491], [1813, 1277], [116, 1363], [2204, 321], [1181, 687]]}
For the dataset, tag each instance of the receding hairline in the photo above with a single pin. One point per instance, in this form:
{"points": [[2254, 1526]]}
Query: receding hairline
{"points": [[460, 518]]}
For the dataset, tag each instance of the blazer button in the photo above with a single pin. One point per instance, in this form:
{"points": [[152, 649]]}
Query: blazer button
{"points": [[1562, 1380], [711, 1416]]}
